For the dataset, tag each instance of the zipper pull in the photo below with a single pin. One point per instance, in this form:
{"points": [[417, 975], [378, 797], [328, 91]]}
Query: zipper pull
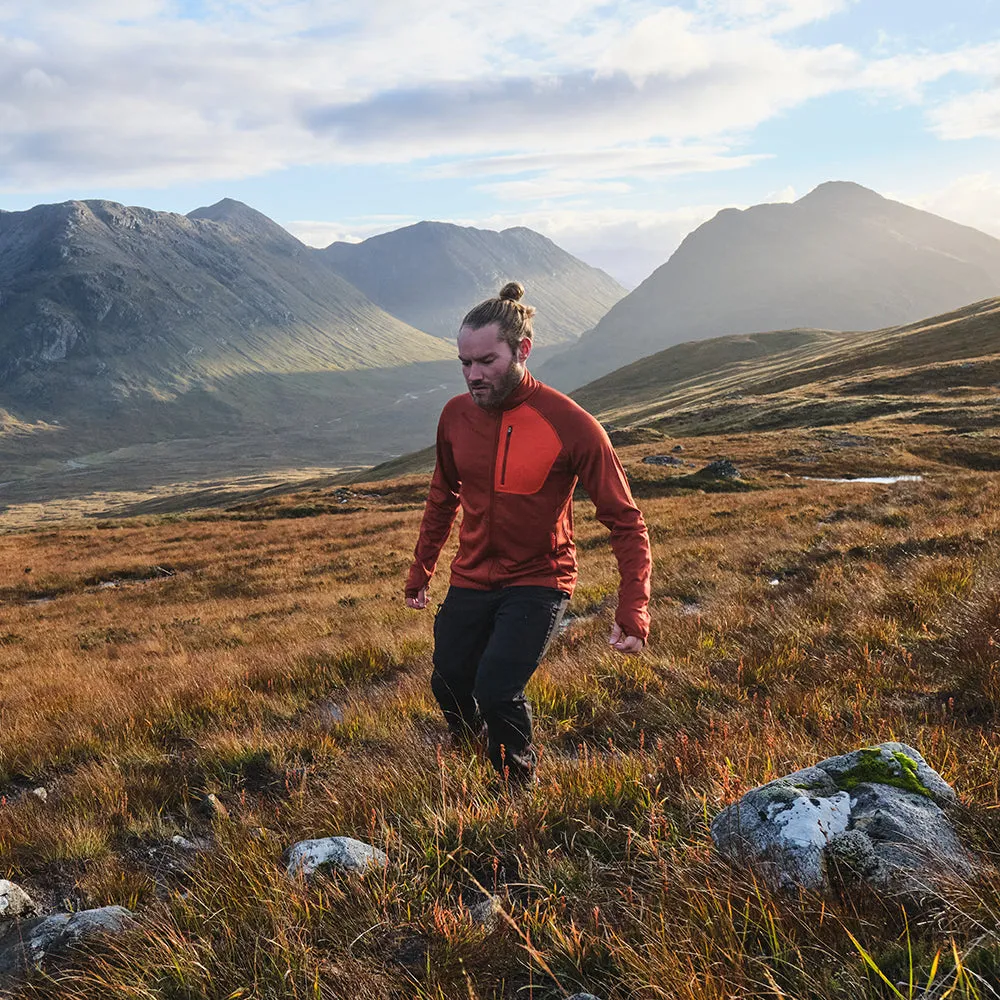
{"points": [[506, 453]]}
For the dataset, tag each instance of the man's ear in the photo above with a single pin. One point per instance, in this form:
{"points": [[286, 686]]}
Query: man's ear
{"points": [[523, 350]]}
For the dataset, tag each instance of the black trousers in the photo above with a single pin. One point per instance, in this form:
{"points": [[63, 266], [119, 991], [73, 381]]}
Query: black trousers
{"points": [[487, 644]]}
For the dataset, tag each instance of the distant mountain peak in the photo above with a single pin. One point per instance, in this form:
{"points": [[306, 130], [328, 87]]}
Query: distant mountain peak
{"points": [[244, 220], [842, 257], [847, 192], [430, 273]]}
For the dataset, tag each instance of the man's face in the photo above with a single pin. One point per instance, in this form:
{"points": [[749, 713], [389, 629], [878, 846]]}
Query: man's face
{"points": [[492, 370]]}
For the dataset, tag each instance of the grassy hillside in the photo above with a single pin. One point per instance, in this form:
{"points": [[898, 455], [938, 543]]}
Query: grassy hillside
{"points": [[942, 372], [263, 653]]}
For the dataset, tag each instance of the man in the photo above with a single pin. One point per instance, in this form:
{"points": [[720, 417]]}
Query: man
{"points": [[510, 453]]}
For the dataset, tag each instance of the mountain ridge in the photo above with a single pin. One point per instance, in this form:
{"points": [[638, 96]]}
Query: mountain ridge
{"points": [[431, 273], [842, 257]]}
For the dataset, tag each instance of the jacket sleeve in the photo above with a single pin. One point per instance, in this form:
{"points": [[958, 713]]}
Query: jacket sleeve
{"points": [[439, 515], [602, 476]]}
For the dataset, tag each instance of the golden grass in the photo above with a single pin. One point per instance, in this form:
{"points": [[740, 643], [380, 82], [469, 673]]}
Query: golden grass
{"points": [[264, 654]]}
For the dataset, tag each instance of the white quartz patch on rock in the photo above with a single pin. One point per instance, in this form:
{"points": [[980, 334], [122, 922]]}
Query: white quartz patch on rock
{"points": [[811, 822]]}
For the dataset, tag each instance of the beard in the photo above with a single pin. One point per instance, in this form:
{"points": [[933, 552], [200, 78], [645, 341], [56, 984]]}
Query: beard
{"points": [[498, 390]]}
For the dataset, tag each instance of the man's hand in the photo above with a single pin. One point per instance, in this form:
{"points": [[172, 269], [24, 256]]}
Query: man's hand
{"points": [[624, 643], [419, 602]]}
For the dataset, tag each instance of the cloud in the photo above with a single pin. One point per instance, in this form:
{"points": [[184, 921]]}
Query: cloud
{"points": [[155, 92], [603, 110], [322, 234], [596, 171], [970, 116], [777, 15], [906, 76], [973, 200]]}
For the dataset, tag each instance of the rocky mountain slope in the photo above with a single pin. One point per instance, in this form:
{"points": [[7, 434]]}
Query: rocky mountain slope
{"points": [[432, 273], [121, 325], [841, 258], [94, 293]]}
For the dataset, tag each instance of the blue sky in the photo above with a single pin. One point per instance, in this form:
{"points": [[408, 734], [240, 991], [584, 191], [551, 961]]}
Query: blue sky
{"points": [[613, 127]]}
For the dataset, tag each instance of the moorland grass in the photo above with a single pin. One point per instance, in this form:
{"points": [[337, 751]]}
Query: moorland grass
{"points": [[278, 669]]}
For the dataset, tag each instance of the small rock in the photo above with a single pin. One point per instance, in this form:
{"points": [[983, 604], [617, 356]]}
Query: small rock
{"points": [[721, 469], [330, 713], [36, 938], [677, 447], [343, 853], [198, 844], [485, 911], [41, 793], [213, 808], [14, 901], [662, 460]]}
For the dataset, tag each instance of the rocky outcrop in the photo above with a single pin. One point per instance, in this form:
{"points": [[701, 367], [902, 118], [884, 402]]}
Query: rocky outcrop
{"points": [[721, 469], [876, 814]]}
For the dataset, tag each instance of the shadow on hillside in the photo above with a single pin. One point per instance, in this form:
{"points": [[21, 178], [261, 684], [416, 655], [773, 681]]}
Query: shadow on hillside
{"points": [[240, 427]]}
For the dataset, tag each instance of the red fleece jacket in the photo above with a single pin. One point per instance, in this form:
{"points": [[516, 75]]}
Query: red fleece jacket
{"points": [[513, 471]]}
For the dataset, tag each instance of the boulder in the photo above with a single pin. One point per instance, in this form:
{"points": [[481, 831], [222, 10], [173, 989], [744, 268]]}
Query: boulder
{"points": [[876, 814], [342, 853], [30, 941]]}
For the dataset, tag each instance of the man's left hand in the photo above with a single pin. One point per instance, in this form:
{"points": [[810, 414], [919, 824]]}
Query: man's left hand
{"points": [[625, 643]]}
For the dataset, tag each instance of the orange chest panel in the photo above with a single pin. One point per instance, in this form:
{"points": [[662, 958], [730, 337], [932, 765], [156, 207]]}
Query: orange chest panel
{"points": [[526, 452]]}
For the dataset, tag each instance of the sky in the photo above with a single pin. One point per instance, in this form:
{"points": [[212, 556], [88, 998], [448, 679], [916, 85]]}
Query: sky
{"points": [[612, 126]]}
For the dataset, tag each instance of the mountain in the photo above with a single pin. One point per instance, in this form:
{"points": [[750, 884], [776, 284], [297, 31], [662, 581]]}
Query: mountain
{"points": [[431, 274], [121, 325], [841, 258], [95, 294]]}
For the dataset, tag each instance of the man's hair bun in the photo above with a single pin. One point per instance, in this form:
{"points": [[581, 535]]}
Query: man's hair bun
{"points": [[512, 315]]}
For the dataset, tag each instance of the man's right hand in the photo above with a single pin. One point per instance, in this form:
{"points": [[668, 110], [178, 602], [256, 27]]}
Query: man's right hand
{"points": [[419, 602]]}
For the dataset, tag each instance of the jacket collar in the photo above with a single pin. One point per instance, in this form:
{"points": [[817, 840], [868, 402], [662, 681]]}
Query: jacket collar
{"points": [[525, 388]]}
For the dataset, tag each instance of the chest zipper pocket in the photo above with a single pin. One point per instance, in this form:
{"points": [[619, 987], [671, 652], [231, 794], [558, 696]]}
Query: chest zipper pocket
{"points": [[506, 453]]}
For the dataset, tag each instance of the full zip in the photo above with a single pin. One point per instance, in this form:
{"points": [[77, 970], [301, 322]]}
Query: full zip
{"points": [[506, 453], [493, 493]]}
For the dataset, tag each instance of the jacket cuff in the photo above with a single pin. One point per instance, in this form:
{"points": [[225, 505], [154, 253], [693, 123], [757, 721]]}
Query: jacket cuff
{"points": [[633, 626]]}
